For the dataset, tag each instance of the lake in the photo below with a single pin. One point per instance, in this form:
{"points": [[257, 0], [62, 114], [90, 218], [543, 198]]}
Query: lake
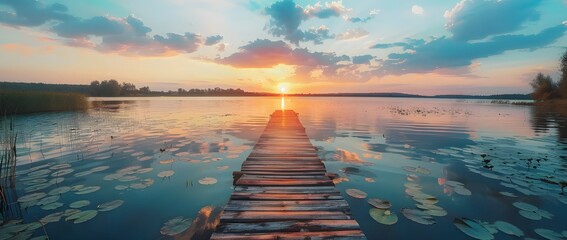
{"points": [[149, 168]]}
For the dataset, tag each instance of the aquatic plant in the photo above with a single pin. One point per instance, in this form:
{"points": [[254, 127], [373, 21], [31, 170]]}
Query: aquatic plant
{"points": [[8, 156]]}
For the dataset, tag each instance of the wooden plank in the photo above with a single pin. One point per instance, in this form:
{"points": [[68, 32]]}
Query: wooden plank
{"points": [[283, 182], [290, 226], [317, 189], [288, 196], [337, 235], [255, 216], [284, 173]]}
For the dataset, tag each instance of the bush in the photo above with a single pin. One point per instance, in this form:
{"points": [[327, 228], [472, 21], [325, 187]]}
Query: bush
{"points": [[544, 88], [33, 101]]}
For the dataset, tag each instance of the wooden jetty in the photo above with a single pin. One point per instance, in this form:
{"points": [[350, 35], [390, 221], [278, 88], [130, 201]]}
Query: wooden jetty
{"points": [[284, 191]]}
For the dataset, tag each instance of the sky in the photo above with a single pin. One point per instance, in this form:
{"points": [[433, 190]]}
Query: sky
{"points": [[410, 46]]}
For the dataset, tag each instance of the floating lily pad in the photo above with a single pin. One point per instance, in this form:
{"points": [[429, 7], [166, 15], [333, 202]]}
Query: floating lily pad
{"points": [[121, 187], [462, 191], [52, 206], [473, 228], [70, 212], [207, 181], [355, 193], [383, 216], [35, 181], [87, 190], [418, 216], [508, 194], [426, 200], [509, 229], [380, 204], [144, 170], [175, 226], [370, 180], [108, 206], [79, 204], [31, 197], [113, 176], [544, 213], [222, 168], [167, 161], [38, 187], [59, 190], [138, 186], [530, 215], [54, 217], [82, 174], [128, 178], [548, 234], [39, 173], [146, 158], [525, 206], [60, 166], [129, 170], [62, 172], [83, 216], [167, 173], [436, 212], [99, 169], [148, 181], [340, 180], [48, 200], [412, 186]]}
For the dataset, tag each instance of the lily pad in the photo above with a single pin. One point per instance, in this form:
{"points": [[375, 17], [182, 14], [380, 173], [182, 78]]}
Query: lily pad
{"points": [[87, 190], [38, 187], [418, 216], [462, 191], [60, 166], [175, 226], [48, 200], [525, 206], [31, 197], [79, 204], [530, 215], [355, 193], [473, 228], [207, 181], [138, 186], [508, 194], [82, 216], [436, 212], [146, 158], [509, 229], [380, 204], [165, 174], [121, 187], [62, 172], [385, 217], [99, 169], [167, 161], [128, 178], [544, 213], [82, 174], [548, 234], [54, 217], [222, 168], [108, 206], [144, 170], [52, 206]]}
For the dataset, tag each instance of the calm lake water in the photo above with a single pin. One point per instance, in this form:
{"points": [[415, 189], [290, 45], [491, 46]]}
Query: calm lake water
{"points": [[149, 168]]}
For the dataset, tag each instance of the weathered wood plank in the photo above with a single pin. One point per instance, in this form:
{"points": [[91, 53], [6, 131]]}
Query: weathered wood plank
{"points": [[256, 216], [290, 226], [289, 196], [283, 182], [337, 235]]}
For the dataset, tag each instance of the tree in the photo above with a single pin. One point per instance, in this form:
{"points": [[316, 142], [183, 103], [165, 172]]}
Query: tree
{"points": [[128, 89], [562, 89], [145, 90], [94, 88], [544, 88]]}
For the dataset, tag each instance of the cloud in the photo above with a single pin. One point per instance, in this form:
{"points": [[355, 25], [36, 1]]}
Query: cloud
{"points": [[352, 34], [32, 13], [372, 15], [286, 17], [363, 59], [449, 53], [415, 9], [212, 40], [309, 66], [478, 19], [332, 9], [126, 36]]}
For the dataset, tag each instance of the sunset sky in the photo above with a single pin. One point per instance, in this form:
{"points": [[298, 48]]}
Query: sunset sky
{"points": [[410, 46]]}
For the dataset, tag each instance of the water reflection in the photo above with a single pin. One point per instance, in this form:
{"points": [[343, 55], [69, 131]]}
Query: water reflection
{"points": [[173, 157]]}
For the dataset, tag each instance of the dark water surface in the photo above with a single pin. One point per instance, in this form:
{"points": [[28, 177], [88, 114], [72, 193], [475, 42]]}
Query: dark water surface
{"points": [[148, 168]]}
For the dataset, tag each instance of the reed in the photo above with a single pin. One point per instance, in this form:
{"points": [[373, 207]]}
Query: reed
{"points": [[20, 102], [8, 156]]}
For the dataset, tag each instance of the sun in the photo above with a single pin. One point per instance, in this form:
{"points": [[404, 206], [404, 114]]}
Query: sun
{"points": [[283, 89]]}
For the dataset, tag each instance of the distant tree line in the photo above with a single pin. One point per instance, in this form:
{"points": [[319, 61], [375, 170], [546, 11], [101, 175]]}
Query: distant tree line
{"points": [[44, 87], [209, 92], [545, 88], [111, 88]]}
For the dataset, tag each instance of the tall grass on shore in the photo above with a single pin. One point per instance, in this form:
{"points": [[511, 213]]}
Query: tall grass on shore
{"points": [[19, 102], [8, 156]]}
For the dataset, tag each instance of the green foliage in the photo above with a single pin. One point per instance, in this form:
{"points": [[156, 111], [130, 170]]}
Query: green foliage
{"points": [[44, 87], [111, 88], [19, 102]]}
